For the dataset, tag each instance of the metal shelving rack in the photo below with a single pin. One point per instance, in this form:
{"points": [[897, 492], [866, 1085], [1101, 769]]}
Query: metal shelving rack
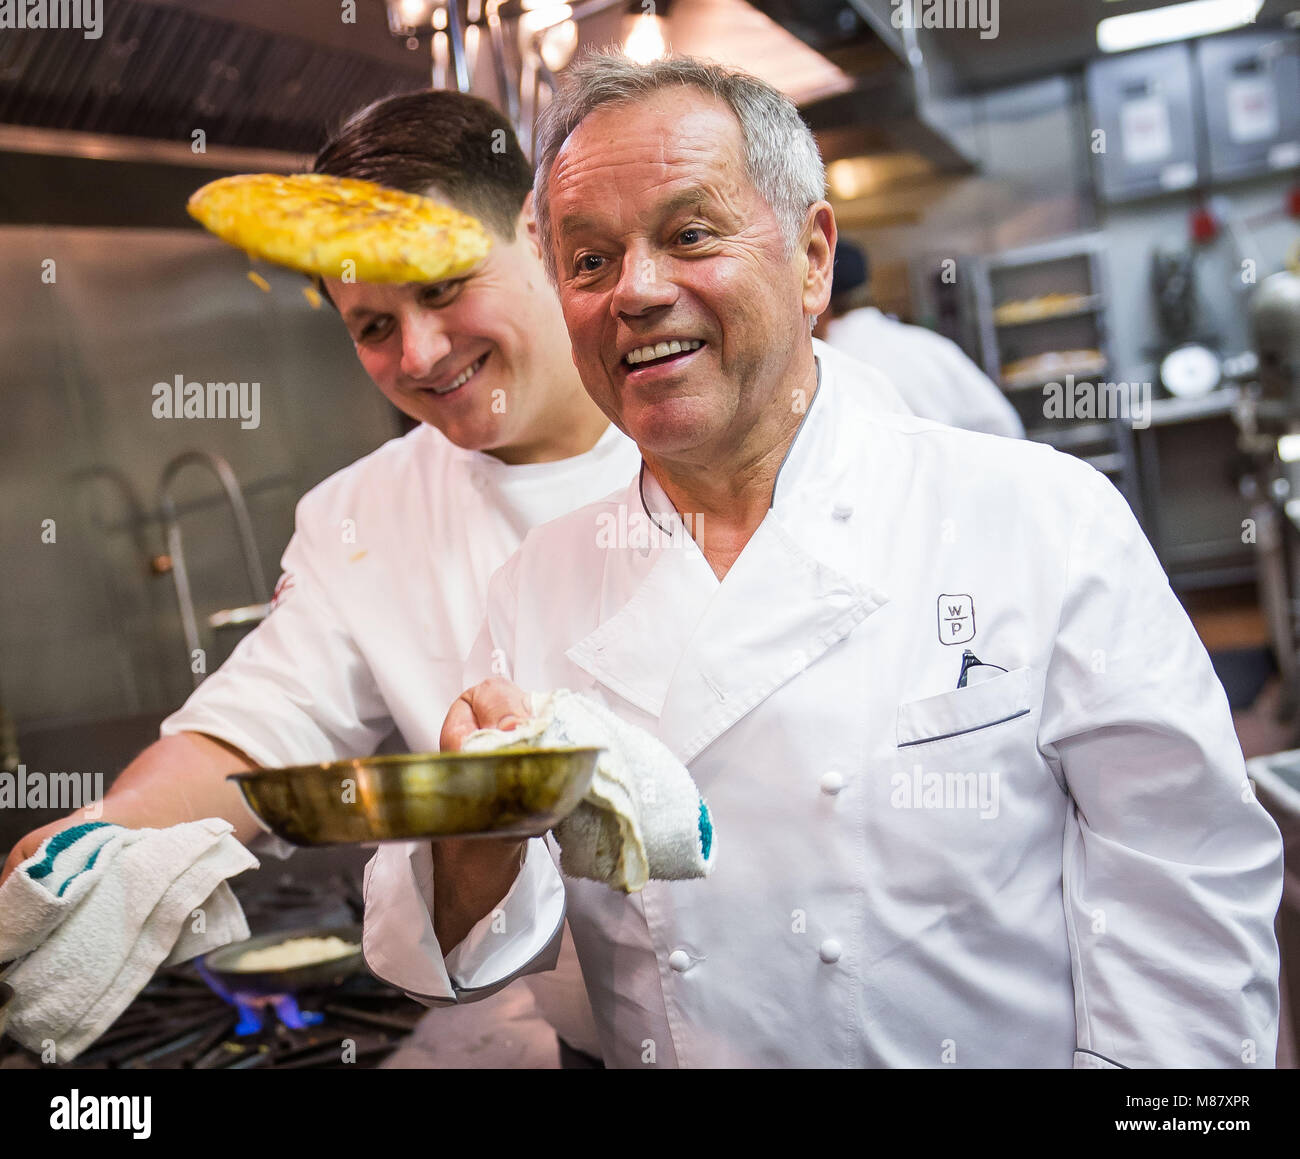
{"points": [[1074, 265]]}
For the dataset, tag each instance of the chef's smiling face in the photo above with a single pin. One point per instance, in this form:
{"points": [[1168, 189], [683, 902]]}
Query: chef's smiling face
{"points": [[681, 301], [469, 355]]}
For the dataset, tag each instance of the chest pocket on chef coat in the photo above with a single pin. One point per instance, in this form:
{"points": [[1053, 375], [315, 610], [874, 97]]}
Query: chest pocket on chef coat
{"points": [[966, 711]]}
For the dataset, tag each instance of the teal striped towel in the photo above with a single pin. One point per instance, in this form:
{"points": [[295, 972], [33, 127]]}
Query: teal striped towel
{"points": [[98, 909]]}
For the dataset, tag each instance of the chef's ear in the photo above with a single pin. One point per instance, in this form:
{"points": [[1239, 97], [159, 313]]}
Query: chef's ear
{"points": [[528, 220], [818, 252]]}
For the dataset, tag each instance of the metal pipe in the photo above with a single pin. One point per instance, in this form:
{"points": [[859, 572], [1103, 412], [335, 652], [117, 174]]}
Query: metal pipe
{"points": [[1271, 566], [538, 64], [175, 548], [102, 147], [437, 54], [456, 32], [527, 105], [543, 69], [506, 83], [237, 617], [141, 518]]}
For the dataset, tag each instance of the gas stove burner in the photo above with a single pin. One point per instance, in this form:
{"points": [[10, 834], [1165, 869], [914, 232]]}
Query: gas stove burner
{"points": [[286, 1010], [251, 1007], [179, 1021]]}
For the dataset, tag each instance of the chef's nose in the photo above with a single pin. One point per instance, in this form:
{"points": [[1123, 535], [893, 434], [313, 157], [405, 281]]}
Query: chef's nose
{"points": [[424, 345], [641, 284]]}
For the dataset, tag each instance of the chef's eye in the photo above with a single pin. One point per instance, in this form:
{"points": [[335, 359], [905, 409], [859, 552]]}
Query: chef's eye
{"points": [[692, 235], [376, 330], [441, 293], [588, 263]]}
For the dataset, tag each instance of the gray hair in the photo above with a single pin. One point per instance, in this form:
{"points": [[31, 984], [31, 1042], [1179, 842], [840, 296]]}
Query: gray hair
{"points": [[781, 157]]}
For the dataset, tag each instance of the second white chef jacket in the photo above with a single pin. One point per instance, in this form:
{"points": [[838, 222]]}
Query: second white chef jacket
{"points": [[381, 596], [1059, 863], [932, 373]]}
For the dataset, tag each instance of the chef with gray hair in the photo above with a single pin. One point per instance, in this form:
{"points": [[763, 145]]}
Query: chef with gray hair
{"points": [[977, 795]]}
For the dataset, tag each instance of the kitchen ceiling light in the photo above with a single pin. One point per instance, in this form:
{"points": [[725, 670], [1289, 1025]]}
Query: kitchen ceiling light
{"points": [[645, 39], [411, 16], [472, 36], [546, 30], [542, 16], [558, 44], [852, 177], [1174, 22]]}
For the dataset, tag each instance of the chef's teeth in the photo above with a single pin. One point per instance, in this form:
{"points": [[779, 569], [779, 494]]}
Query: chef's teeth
{"points": [[663, 349], [462, 378]]}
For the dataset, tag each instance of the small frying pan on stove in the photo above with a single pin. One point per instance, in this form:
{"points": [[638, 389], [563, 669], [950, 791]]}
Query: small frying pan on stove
{"points": [[223, 965]]}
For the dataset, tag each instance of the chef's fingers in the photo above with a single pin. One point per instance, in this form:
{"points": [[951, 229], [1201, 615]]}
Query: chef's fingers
{"points": [[496, 703], [29, 843], [11, 862]]}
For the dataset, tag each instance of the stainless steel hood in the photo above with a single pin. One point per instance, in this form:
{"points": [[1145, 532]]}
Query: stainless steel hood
{"points": [[903, 98], [162, 71], [103, 131]]}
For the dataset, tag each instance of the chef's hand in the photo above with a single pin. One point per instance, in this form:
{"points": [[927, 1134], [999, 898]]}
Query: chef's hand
{"points": [[470, 877], [176, 779], [29, 844], [116, 809], [496, 703]]}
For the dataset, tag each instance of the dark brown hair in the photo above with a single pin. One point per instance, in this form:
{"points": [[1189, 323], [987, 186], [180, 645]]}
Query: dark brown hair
{"points": [[447, 143]]}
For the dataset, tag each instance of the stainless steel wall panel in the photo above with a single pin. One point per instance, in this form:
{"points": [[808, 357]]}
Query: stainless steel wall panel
{"points": [[87, 631]]}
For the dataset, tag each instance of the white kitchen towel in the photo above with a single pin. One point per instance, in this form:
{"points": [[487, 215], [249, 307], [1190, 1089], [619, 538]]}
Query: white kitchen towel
{"points": [[98, 908], [642, 818]]}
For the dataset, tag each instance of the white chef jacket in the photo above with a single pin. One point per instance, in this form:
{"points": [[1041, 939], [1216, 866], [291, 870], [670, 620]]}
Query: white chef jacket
{"points": [[383, 590], [1059, 865], [382, 594], [934, 376]]}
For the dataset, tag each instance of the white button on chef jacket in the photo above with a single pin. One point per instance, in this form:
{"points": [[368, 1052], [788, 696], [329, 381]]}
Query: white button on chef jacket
{"points": [[832, 782], [961, 882]]}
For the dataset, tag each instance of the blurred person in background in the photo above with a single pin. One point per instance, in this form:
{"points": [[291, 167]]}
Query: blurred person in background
{"points": [[936, 380]]}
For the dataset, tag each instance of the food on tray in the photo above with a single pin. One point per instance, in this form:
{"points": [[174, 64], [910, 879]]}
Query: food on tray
{"points": [[295, 952], [1043, 306], [1044, 367], [340, 228]]}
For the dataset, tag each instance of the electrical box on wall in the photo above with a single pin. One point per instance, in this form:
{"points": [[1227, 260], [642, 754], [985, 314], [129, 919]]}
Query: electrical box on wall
{"points": [[1250, 86], [1143, 103], [1213, 110]]}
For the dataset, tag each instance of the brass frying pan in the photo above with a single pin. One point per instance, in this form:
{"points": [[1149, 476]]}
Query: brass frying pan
{"points": [[511, 792]]}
